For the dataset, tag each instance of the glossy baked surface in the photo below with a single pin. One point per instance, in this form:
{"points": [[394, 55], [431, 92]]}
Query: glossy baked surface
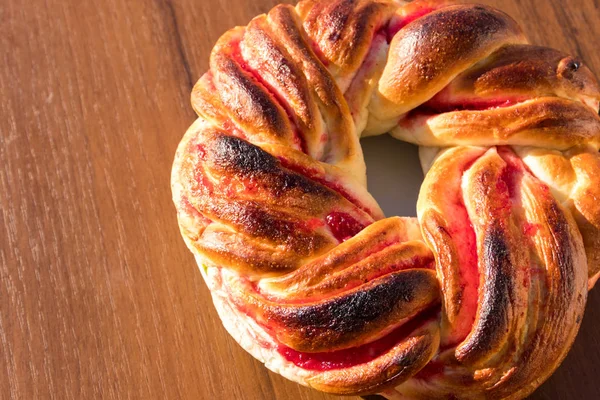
{"points": [[100, 296], [482, 295]]}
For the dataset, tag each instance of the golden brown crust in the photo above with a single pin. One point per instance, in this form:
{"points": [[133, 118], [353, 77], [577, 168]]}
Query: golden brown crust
{"points": [[345, 320], [340, 146], [522, 72], [549, 122], [574, 177], [342, 30], [586, 207], [449, 41], [527, 283], [483, 294], [402, 362], [247, 101]]}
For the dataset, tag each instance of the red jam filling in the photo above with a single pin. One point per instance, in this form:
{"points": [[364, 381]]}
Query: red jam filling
{"points": [[530, 229], [461, 227], [200, 150], [357, 355], [469, 274], [463, 234], [343, 226]]}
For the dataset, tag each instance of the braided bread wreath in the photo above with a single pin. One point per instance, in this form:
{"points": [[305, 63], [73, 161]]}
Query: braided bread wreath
{"points": [[482, 295]]}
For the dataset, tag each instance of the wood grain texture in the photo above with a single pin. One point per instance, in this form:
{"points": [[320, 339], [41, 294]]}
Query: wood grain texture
{"points": [[99, 298]]}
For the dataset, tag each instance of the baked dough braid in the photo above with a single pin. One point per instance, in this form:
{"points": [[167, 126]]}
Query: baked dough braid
{"points": [[482, 295]]}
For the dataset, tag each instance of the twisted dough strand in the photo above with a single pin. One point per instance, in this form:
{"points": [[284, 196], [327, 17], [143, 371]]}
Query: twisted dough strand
{"points": [[482, 296]]}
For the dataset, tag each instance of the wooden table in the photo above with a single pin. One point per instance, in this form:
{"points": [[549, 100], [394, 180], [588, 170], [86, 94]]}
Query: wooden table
{"points": [[99, 297]]}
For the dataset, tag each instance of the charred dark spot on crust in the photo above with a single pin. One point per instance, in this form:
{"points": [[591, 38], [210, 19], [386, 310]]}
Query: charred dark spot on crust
{"points": [[241, 158], [402, 352], [493, 318], [259, 197], [352, 312], [497, 257], [235, 154], [256, 220], [344, 317], [259, 222], [290, 181]]}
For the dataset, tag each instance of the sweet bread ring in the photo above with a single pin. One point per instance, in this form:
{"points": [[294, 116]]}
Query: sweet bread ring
{"points": [[481, 295]]}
